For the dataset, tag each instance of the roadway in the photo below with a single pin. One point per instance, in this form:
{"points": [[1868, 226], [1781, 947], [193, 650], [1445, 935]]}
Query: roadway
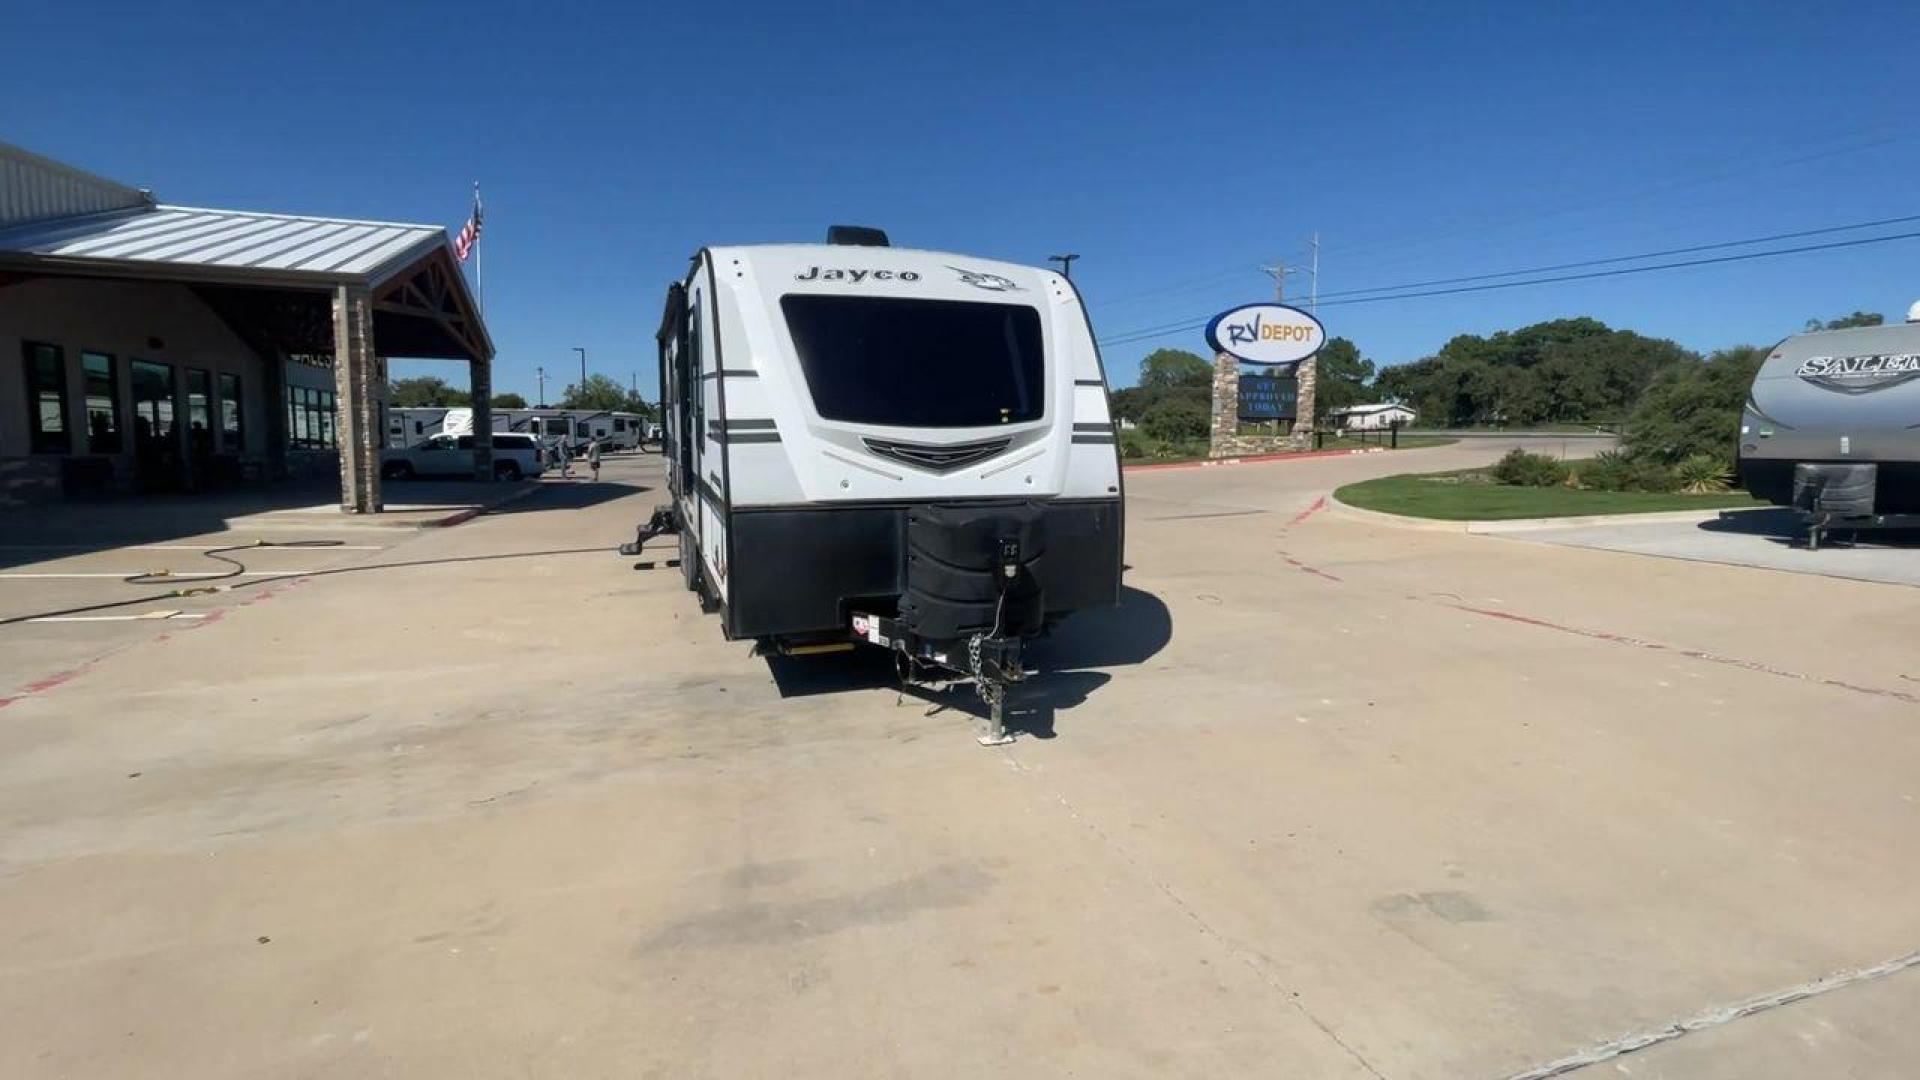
{"points": [[1322, 798]]}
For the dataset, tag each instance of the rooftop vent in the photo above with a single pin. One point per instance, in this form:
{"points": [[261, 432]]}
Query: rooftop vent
{"points": [[856, 236]]}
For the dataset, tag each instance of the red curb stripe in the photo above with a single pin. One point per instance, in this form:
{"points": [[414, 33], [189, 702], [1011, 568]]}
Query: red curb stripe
{"points": [[1247, 459]]}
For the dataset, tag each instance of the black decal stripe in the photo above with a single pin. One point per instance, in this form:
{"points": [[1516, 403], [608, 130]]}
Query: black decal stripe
{"points": [[1093, 427], [1089, 382], [749, 425], [729, 374], [1104, 440], [712, 494], [759, 437]]}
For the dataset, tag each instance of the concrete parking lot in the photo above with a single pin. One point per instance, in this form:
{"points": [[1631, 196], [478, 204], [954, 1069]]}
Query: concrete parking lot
{"points": [[1322, 798], [1770, 538]]}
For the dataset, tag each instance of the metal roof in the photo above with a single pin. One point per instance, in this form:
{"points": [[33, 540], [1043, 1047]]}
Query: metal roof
{"points": [[34, 188], [264, 245]]}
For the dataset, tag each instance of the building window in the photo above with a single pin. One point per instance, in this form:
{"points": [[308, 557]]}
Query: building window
{"points": [[310, 418], [47, 398], [199, 412], [103, 403], [233, 438], [153, 431]]}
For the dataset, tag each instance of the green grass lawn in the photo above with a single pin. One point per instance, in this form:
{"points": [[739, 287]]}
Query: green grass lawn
{"points": [[1446, 497]]}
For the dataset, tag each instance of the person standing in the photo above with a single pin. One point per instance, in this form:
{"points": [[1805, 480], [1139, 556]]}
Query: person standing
{"points": [[593, 458], [566, 457]]}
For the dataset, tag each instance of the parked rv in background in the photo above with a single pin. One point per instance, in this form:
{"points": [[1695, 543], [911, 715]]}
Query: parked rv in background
{"points": [[1832, 425], [616, 430], [411, 426]]}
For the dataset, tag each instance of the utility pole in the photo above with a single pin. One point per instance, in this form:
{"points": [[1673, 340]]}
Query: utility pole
{"points": [[540, 374], [1313, 298], [583, 369], [1066, 264], [1279, 271]]}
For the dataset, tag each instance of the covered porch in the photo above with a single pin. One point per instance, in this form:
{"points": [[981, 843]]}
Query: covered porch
{"points": [[125, 322]]}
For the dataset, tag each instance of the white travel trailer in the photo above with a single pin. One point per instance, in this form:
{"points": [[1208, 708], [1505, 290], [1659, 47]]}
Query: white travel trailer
{"points": [[909, 449], [615, 430], [411, 425]]}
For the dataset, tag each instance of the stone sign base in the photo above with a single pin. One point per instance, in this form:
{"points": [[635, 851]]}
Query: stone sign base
{"points": [[1224, 439]]}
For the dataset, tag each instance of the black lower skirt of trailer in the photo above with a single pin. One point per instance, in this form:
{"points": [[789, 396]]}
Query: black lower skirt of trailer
{"points": [[1897, 489], [804, 570]]}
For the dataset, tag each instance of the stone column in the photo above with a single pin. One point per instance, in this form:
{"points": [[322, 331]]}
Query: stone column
{"points": [[356, 374], [1226, 405], [273, 383], [480, 385], [1306, 375]]}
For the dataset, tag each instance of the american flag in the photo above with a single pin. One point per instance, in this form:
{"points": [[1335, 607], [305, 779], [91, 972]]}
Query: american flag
{"points": [[470, 232]]}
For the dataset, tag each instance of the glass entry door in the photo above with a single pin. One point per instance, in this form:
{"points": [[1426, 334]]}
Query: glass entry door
{"points": [[156, 431]]}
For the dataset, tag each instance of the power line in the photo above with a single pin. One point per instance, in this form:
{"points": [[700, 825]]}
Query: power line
{"points": [[1873, 132], [1144, 335], [1182, 323], [1632, 258]]}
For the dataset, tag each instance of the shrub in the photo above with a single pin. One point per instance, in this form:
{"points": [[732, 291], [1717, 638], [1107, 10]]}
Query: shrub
{"points": [[1703, 474], [1521, 469], [1174, 420], [1646, 474], [1611, 470], [1608, 470]]}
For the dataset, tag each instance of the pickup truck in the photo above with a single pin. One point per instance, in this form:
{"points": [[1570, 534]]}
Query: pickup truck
{"points": [[515, 457]]}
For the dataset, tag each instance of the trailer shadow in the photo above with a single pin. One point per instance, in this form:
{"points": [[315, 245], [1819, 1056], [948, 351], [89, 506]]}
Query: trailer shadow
{"points": [[1131, 633], [1785, 526]]}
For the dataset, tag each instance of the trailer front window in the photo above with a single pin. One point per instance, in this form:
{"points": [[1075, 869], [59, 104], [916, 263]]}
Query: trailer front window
{"points": [[919, 363]]}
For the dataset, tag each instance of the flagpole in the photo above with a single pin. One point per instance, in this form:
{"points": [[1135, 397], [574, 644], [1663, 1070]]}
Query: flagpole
{"points": [[479, 291]]}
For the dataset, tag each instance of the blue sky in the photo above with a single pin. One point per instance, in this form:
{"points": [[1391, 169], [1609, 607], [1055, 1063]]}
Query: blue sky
{"points": [[1175, 149]]}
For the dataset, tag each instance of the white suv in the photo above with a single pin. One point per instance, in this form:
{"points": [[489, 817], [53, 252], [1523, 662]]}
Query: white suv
{"points": [[515, 457]]}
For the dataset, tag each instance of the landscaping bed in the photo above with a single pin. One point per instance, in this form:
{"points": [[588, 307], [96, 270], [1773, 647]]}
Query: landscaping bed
{"points": [[1541, 488]]}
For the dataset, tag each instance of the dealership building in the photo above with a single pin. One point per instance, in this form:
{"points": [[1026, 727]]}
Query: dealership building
{"points": [[146, 347]]}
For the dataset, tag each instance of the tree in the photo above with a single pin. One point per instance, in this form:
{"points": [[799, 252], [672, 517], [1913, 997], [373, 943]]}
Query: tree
{"points": [[600, 394], [1564, 369], [637, 404], [1130, 402], [1847, 322], [1694, 408], [509, 401], [1177, 420], [425, 390], [1165, 368], [1341, 378]]}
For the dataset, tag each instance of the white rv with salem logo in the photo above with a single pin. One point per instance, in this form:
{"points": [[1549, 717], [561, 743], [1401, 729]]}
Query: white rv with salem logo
{"points": [[909, 449]]}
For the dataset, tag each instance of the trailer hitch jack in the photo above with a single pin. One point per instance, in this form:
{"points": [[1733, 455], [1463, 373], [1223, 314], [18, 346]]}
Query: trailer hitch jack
{"points": [[662, 522], [994, 663]]}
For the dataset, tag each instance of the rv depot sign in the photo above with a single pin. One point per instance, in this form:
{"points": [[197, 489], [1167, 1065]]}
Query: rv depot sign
{"points": [[1266, 334], [1282, 340]]}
